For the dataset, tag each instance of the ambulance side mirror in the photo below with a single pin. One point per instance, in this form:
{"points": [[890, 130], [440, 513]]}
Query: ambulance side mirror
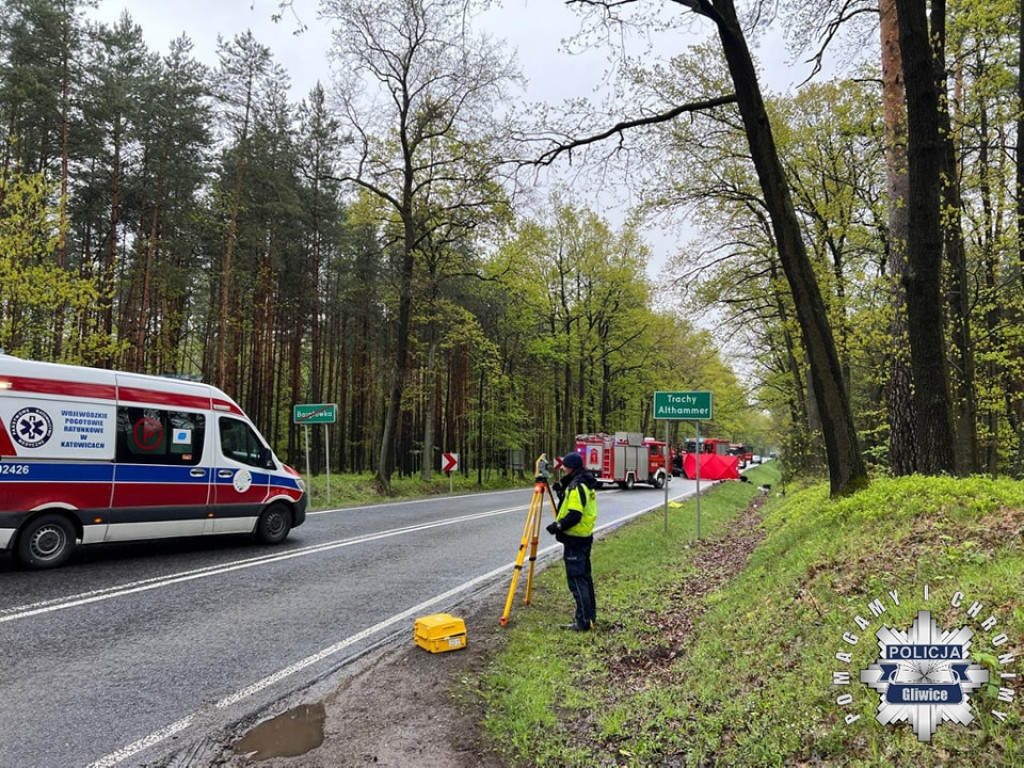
{"points": [[267, 459]]}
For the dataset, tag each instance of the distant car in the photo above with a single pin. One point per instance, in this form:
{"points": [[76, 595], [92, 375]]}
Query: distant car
{"points": [[756, 459]]}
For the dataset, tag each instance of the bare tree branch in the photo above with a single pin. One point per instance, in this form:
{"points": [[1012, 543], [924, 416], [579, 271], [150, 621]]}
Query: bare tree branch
{"points": [[552, 154], [845, 14]]}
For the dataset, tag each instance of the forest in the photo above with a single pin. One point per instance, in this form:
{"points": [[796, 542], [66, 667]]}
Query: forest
{"points": [[379, 244]]}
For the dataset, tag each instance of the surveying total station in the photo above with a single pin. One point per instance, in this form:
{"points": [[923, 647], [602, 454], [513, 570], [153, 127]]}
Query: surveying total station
{"points": [[531, 533]]}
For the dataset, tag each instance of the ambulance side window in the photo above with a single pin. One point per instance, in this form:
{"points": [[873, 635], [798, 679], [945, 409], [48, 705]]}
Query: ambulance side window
{"points": [[156, 436], [239, 442]]}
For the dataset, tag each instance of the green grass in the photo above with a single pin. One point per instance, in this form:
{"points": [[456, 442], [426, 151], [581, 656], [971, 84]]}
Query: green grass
{"points": [[349, 490], [750, 682]]}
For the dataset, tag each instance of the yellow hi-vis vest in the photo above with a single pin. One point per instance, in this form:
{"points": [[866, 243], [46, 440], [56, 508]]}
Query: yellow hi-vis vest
{"points": [[574, 500]]}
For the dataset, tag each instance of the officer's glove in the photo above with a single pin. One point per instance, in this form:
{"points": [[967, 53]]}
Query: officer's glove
{"points": [[557, 487], [554, 528]]}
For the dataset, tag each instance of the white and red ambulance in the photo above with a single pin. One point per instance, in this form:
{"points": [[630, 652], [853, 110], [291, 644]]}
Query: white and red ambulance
{"points": [[89, 456]]}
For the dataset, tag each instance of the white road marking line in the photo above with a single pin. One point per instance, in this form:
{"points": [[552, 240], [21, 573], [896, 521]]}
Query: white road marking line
{"points": [[157, 736], [145, 585], [144, 743], [152, 739], [378, 505], [156, 582]]}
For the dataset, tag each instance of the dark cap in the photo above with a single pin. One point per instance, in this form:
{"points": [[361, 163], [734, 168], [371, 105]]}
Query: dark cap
{"points": [[572, 461]]}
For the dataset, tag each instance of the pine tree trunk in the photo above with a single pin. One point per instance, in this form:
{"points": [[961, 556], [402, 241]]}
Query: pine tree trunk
{"points": [[339, 393], [899, 390], [226, 334], [65, 130], [110, 266], [147, 282], [427, 465]]}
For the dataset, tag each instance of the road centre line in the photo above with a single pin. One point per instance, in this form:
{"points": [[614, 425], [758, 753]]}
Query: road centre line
{"points": [[424, 500], [156, 737], [157, 582]]}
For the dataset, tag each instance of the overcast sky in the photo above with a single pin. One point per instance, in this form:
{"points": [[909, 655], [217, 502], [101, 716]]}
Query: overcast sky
{"points": [[533, 27], [536, 29]]}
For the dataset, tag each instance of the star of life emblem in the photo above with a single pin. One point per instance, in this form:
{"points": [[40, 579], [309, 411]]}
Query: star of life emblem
{"points": [[924, 676], [31, 427]]}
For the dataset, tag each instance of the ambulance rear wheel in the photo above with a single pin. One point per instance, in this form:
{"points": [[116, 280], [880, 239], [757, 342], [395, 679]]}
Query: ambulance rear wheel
{"points": [[274, 524], [46, 542]]}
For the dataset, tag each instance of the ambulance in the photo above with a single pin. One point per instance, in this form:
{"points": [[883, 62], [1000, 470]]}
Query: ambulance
{"points": [[90, 456]]}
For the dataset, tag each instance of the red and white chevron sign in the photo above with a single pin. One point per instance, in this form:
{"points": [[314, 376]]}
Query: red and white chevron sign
{"points": [[449, 462]]}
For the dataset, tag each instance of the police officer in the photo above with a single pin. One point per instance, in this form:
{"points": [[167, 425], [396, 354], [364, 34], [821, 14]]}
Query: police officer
{"points": [[574, 529]]}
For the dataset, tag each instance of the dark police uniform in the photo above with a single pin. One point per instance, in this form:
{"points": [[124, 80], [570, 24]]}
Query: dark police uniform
{"points": [[574, 529]]}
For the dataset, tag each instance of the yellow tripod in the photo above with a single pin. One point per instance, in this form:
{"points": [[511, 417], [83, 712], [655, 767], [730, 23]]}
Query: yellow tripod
{"points": [[531, 534]]}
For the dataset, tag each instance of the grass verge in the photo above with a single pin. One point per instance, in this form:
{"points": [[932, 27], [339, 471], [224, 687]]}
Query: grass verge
{"points": [[751, 671], [349, 490]]}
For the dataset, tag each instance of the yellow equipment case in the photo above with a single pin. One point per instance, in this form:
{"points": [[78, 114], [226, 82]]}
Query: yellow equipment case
{"points": [[440, 632]]}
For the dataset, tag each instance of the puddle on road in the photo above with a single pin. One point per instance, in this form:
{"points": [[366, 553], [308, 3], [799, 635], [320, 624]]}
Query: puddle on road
{"points": [[290, 734]]}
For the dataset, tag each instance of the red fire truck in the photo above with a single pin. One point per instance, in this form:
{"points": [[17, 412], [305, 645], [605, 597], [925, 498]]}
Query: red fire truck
{"points": [[625, 458], [716, 460], [743, 452]]}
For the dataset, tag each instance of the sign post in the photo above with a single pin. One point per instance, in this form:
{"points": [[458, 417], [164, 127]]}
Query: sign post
{"points": [[668, 462], [449, 463], [317, 413], [685, 406], [688, 406]]}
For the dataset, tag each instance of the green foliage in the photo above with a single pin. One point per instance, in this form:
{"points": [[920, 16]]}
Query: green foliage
{"points": [[579, 330], [552, 329], [558, 700], [34, 290], [751, 682], [229, 237]]}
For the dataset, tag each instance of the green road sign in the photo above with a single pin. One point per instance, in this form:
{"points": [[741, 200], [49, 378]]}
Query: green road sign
{"points": [[691, 406], [315, 413]]}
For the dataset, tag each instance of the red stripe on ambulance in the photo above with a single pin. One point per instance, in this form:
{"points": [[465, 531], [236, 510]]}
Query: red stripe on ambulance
{"points": [[89, 455], [61, 387]]}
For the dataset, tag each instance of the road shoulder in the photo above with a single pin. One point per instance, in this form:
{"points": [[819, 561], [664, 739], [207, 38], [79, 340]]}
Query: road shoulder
{"points": [[402, 707]]}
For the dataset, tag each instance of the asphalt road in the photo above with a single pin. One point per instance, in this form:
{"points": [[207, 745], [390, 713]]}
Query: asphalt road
{"points": [[133, 655]]}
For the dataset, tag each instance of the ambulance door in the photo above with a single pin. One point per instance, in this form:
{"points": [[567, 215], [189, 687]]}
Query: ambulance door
{"points": [[161, 486], [241, 477]]}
